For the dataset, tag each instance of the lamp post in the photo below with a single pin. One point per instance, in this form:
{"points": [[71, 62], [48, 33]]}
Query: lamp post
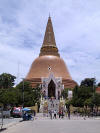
{"points": [[23, 93], [1, 116], [93, 92]]}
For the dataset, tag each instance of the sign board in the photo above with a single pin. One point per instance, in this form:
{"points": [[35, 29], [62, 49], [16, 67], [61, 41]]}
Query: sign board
{"points": [[70, 94]]}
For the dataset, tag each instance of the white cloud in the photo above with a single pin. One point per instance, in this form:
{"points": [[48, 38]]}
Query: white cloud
{"points": [[76, 25], [16, 60]]}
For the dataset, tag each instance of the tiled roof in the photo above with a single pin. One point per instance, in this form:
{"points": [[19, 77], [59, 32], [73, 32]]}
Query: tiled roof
{"points": [[98, 89]]}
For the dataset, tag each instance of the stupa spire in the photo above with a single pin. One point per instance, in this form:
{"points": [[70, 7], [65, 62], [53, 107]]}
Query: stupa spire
{"points": [[49, 44], [49, 38]]}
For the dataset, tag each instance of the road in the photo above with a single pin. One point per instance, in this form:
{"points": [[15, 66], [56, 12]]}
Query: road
{"points": [[56, 126]]}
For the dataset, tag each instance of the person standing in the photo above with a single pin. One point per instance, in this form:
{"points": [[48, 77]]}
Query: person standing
{"points": [[55, 114], [69, 114], [59, 113], [62, 113], [50, 114]]}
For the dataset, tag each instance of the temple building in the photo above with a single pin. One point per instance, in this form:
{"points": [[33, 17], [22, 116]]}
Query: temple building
{"points": [[49, 69]]}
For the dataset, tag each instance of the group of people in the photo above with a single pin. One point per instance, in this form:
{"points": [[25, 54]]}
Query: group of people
{"points": [[61, 113], [53, 114]]}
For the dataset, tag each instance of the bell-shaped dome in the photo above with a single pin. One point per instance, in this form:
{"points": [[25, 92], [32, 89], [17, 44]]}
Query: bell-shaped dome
{"points": [[40, 67]]}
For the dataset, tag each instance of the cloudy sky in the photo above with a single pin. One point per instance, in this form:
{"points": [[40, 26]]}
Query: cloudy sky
{"points": [[76, 25]]}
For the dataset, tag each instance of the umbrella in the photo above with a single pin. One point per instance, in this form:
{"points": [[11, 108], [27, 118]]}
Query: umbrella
{"points": [[26, 109]]}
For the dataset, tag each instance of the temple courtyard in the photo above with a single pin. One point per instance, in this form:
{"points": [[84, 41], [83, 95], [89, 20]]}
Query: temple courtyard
{"points": [[46, 125]]}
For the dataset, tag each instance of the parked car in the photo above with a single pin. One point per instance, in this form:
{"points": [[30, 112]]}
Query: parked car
{"points": [[17, 112]]}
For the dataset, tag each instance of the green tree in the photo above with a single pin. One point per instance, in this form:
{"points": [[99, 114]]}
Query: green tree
{"points": [[65, 93], [85, 92], [88, 102], [75, 91], [68, 103], [85, 95], [37, 95], [7, 91], [99, 84], [88, 82], [77, 101], [80, 94], [96, 99], [6, 81], [8, 97], [31, 95]]}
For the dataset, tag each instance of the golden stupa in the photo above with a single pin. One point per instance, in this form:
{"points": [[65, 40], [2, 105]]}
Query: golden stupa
{"points": [[49, 57]]}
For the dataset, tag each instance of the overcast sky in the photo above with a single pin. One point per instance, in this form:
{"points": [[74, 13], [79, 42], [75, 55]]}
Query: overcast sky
{"points": [[76, 25]]}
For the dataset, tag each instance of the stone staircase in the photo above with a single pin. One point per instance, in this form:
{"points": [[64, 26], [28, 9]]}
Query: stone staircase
{"points": [[53, 105]]}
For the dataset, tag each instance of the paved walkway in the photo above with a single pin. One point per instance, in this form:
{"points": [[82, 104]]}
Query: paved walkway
{"points": [[56, 126], [40, 116], [8, 122]]}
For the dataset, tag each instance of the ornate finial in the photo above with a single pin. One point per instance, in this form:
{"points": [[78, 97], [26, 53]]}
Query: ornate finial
{"points": [[49, 15]]}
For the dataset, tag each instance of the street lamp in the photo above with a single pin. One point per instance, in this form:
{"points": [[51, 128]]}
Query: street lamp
{"points": [[1, 116], [93, 92], [23, 93]]}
